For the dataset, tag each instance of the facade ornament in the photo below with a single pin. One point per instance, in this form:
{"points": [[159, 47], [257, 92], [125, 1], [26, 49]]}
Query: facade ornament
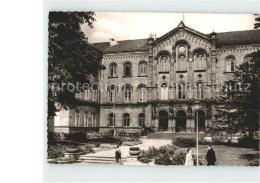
{"points": [[189, 110], [171, 110], [153, 110]]}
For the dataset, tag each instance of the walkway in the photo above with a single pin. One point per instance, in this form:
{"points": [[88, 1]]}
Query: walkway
{"points": [[125, 151]]}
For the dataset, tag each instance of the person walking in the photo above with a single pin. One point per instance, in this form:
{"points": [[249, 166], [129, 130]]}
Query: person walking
{"points": [[211, 156], [189, 159], [118, 155]]}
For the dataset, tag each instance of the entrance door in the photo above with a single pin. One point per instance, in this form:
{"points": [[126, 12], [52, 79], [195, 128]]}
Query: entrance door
{"points": [[163, 121], [202, 119], [181, 119]]}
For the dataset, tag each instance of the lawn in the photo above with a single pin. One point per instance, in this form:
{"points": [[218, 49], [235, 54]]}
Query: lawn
{"points": [[231, 156]]}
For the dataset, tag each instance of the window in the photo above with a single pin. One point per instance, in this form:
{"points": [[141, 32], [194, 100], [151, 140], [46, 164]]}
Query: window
{"points": [[87, 94], [127, 69], [112, 93], [127, 93], [77, 95], [126, 119], [164, 91], [142, 68], [85, 119], [94, 93], [181, 91], [141, 119], [181, 56], [200, 90], [142, 94], [230, 63], [111, 119], [200, 61], [113, 70], [164, 63], [76, 118], [250, 62]]}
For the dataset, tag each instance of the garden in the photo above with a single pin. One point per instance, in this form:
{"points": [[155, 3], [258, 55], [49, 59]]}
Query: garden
{"points": [[227, 153], [59, 144]]}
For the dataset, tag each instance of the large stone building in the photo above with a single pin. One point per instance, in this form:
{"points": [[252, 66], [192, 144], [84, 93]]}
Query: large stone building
{"points": [[161, 83]]}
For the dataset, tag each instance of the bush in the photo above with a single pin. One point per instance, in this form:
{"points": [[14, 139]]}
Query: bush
{"points": [[143, 159], [178, 157], [163, 159], [247, 142], [184, 142], [126, 136], [77, 136], [55, 136]]}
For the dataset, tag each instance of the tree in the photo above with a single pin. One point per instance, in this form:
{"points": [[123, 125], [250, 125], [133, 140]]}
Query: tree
{"points": [[239, 99], [70, 58], [257, 24]]}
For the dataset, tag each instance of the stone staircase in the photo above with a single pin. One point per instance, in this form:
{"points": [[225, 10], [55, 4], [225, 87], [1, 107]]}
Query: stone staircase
{"points": [[170, 136], [90, 159]]}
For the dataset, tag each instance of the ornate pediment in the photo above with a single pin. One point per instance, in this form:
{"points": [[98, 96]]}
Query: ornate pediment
{"points": [[182, 32]]}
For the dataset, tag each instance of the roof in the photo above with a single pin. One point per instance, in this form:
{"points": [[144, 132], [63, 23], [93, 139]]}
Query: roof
{"points": [[123, 46], [238, 37], [223, 38]]}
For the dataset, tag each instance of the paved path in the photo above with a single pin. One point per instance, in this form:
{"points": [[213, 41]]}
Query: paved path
{"points": [[125, 149]]}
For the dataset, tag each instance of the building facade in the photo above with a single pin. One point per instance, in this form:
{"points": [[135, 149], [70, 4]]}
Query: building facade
{"points": [[168, 83]]}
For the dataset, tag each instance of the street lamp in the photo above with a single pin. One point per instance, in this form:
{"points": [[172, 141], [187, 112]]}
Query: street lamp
{"points": [[197, 132]]}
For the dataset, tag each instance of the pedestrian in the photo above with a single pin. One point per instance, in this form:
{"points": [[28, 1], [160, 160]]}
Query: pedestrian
{"points": [[118, 155], [210, 156], [189, 159]]}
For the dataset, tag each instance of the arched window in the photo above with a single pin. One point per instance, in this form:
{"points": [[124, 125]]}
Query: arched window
{"points": [[112, 93], [142, 68], [182, 55], [77, 95], [248, 59], [200, 90], [164, 63], [141, 119], [113, 70], [94, 93], [200, 61], [87, 92], [85, 119], [181, 91], [128, 69], [142, 94], [230, 63], [77, 118], [111, 119], [164, 91], [127, 93], [126, 118]]}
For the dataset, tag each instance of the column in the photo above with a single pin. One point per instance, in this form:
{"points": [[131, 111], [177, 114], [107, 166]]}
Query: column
{"points": [[188, 125]]}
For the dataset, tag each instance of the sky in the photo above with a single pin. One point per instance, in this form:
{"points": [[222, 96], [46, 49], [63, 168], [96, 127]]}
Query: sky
{"points": [[124, 26]]}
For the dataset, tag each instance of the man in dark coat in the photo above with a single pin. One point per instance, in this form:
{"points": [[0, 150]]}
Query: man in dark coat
{"points": [[118, 155], [211, 157]]}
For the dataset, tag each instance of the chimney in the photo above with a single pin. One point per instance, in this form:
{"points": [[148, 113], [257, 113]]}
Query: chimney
{"points": [[112, 42], [152, 36]]}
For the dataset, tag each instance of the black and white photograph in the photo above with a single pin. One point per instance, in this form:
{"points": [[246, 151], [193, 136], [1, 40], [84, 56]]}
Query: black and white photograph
{"points": [[144, 88]]}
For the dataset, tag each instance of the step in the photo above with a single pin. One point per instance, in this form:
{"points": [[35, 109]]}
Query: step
{"points": [[107, 157], [99, 159], [94, 162]]}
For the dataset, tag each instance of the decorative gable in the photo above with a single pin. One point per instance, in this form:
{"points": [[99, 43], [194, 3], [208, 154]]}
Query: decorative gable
{"points": [[181, 32]]}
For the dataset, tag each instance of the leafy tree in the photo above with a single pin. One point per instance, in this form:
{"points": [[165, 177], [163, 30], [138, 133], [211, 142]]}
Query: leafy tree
{"points": [[239, 99], [70, 58], [257, 24]]}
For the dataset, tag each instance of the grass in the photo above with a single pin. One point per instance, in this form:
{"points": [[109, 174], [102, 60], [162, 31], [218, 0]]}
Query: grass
{"points": [[231, 156]]}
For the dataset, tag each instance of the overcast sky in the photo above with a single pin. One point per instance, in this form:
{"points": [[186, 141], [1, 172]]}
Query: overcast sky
{"points": [[123, 26]]}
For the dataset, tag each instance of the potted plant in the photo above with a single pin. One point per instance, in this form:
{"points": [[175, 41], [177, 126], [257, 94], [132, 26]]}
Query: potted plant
{"points": [[134, 151]]}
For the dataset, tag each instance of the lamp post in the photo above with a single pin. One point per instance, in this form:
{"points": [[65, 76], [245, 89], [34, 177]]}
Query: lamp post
{"points": [[197, 133]]}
